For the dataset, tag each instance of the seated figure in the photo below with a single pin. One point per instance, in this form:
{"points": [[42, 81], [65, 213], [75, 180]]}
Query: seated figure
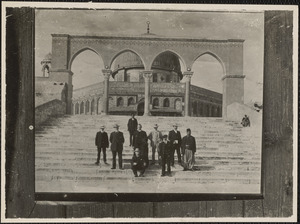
{"points": [[245, 121], [138, 163]]}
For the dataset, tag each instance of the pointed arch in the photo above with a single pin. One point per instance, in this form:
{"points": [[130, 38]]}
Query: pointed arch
{"points": [[172, 52], [79, 52], [155, 102], [111, 61], [76, 108], [130, 101], [213, 55]]}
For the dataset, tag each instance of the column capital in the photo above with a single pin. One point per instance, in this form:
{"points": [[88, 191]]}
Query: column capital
{"points": [[188, 75], [106, 73], [233, 76], [147, 74]]}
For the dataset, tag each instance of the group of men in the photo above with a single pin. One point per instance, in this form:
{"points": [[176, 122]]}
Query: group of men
{"points": [[164, 145]]}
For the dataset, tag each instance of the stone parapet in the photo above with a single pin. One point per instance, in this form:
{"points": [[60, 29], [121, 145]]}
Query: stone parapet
{"points": [[49, 109]]}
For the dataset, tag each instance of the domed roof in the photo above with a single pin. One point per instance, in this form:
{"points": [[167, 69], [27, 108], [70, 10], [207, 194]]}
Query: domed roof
{"points": [[166, 61]]}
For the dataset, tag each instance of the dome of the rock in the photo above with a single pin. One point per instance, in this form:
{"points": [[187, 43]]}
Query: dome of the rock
{"points": [[166, 68]]}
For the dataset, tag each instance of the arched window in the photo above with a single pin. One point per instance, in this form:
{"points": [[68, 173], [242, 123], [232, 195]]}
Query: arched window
{"points": [[82, 108], [120, 102], [155, 102], [87, 106], [130, 101], [99, 105], [166, 102], [154, 77], [77, 108]]}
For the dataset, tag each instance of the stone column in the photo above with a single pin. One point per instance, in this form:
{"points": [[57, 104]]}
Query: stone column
{"points": [[147, 76], [233, 91], [74, 108], [90, 107], [84, 107], [106, 73], [188, 76]]}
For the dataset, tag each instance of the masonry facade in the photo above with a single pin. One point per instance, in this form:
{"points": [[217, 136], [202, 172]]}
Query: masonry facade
{"points": [[154, 82]]}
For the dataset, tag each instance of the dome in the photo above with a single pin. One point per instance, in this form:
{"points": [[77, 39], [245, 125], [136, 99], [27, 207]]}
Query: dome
{"points": [[165, 61]]}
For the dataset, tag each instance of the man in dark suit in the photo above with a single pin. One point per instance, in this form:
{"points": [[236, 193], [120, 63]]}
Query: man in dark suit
{"points": [[138, 163], [175, 139], [101, 141], [140, 140], [132, 126], [165, 152], [117, 141]]}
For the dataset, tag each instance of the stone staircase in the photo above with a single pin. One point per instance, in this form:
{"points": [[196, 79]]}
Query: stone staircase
{"points": [[228, 157]]}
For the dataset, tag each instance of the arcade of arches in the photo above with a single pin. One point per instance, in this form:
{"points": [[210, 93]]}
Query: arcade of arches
{"points": [[147, 73]]}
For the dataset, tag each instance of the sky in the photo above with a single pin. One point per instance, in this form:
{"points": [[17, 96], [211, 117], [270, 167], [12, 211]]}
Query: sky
{"points": [[210, 25]]}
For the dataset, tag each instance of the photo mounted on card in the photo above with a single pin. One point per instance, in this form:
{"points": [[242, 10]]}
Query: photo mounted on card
{"points": [[148, 102]]}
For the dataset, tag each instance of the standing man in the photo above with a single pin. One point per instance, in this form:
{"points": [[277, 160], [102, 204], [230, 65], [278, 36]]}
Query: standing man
{"points": [[175, 139], [140, 141], [138, 163], [165, 151], [132, 126], [155, 137], [117, 140], [188, 148], [101, 141]]}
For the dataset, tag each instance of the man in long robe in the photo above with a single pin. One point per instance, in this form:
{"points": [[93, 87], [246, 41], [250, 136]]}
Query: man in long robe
{"points": [[132, 126], [140, 140], [188, 149]]}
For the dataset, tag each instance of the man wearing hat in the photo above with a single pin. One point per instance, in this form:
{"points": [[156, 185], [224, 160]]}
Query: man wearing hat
{"points": [[165, 151], [138, 163], [117, 141], [140, 141], [101, 141], [175, 139], [155, 137]]}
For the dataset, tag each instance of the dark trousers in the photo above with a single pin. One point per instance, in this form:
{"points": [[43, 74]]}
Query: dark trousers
{"points": [[119, 157], [136, 168], [165, 161], [176, 148], [131, 137], [104, 154], [144, 154]]}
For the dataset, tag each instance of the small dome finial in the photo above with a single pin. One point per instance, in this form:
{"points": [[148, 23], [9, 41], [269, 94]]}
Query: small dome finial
{"points": [[148, 24]]}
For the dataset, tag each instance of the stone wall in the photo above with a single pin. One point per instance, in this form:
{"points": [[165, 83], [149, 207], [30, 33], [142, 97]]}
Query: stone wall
{"points": [[236, 111], [47, 90], [49, 109]]}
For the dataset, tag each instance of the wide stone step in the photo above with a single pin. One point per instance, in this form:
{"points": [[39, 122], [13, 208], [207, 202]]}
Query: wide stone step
{"points": [[111, 178]]}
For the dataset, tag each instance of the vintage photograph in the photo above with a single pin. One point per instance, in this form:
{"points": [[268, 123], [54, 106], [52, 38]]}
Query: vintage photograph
{"points": [[148, 101]]}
